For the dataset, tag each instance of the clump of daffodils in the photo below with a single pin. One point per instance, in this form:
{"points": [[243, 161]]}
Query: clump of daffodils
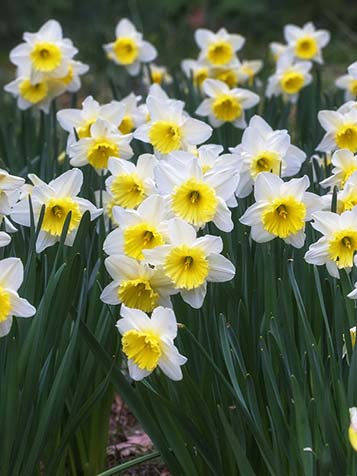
{"points": [[46, 67], [218, 59]]}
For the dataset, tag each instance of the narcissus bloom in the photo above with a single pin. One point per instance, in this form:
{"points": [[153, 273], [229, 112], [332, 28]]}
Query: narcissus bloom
{"points": [[264, 150], [155, 74], [129, 49], [352, 430], [289, 78], [170, 128], [219, 48], [11, 277], [281, 209], [191, 262], [71, 80], [105, 141], [306, 42], [140, 229], [224, 104], [137, 285], [348, 82], [340, 127], [134, 115], [196, 197], [81, 120], [148, 342], [346, 198], [247, 71], [130, 184], [29, 93], [277, 49], [46, 53], [197, 70], [344, 165], [59, 198], [338, 245]]}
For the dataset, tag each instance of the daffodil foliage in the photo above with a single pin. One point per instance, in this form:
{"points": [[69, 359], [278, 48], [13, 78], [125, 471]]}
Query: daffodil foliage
{"points": [[190, 244]]}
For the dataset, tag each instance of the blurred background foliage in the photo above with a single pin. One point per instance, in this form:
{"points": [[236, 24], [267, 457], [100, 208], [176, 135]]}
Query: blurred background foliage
{"points": [[170, 24]]}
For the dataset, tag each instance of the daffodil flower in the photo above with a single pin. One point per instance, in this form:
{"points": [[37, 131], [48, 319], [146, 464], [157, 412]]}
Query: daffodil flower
{"points": [[219, 48], [340, 127], [289, 78], [170, 128], [196, 197], [191, 262], [136, 284], [129, 49], [130, 184], [11, 304], [224, 104], [306, 42], [338, 245], [148, 342], [264, 150], [281, 209], [105, 141], [59, 198], [140, 229]]}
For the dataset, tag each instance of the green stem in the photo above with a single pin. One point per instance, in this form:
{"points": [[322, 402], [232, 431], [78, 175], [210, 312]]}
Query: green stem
{"points": [[130, 464]]}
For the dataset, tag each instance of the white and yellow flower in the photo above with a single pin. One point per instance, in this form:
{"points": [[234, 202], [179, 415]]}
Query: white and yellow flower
{"points": [[191, 262], [170, 128], [281, 209], [140, 229], [219, 48], [195, 197], [306, 42], [247, 71], [81, 120], [134, 115], [71, 80], [130, 184], [136, 284], [352, 430], [348, 82], [129, 49], [277, 50], [264, 150], [346, 198], [105, 141], [224, 104], [197, 70], [155, 74], [148, 342], [59, 198], [336, 248], [229, 74], [11, 304], [340, 127], [31, 93], [289, 78], [344, 165], [45, 53]]}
